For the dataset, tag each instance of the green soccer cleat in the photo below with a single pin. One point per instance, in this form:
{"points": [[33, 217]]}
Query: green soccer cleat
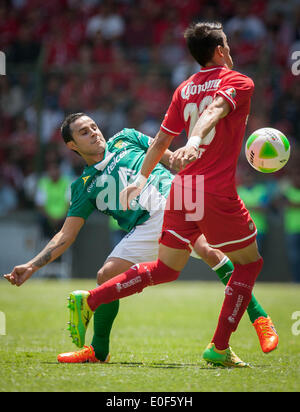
{"points": [[80, 315], [224, 358]]}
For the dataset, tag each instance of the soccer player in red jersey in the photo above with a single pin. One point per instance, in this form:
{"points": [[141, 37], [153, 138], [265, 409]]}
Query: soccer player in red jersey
{"points": [[212, 106]]}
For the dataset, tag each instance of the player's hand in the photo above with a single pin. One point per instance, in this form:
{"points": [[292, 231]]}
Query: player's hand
{"points": [[128, 194], [20, 274], [183, 156]]}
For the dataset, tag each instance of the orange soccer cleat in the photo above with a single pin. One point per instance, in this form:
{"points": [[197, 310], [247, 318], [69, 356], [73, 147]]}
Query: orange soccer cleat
{"points": [[87, 354], [266, 332]]}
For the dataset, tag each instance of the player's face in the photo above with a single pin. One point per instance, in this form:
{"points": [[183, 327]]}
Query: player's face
{"points": [[226, 52], [88, 139]]}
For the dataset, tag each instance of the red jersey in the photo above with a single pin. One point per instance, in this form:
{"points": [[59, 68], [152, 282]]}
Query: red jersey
{"points": [[220, 149]]}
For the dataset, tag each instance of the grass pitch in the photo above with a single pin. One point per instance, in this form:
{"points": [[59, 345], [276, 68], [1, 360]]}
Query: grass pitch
{"points": [[156, 343]]}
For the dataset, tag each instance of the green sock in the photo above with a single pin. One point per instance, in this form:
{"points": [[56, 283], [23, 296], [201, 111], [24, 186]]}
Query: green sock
{"points": [[224, 270], [104, 317]]}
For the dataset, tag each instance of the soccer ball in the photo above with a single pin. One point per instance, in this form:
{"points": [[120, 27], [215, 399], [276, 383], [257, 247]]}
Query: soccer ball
{"points": [[267, 150]]}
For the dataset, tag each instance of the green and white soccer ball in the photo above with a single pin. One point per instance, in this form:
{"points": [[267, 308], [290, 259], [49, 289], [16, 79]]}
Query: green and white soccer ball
{"points": [[267, 150]]}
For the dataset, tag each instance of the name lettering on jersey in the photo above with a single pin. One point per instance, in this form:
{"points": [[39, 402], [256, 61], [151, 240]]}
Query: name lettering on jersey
{"points": [[85, 179], [192, 89]]}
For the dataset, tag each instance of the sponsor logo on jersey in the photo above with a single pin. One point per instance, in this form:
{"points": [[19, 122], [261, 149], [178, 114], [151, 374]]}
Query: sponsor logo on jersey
{"points": [[110, 167], [192, 89], [91, 185], [231, 92], [120, 144], [85, 178]]}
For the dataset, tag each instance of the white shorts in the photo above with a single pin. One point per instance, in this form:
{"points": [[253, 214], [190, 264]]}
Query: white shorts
{"points": [[141, 243]]}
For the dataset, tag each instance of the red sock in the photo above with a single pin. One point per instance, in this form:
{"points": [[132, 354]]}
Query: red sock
{"points": [[132, 281], [237, 298]]}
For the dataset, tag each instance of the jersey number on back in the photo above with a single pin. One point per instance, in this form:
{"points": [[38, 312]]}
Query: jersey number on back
{"points": [[192, 113]]}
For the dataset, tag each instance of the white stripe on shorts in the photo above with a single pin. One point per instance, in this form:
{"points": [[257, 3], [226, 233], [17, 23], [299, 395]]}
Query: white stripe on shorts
{"points": [[179, 237], [233, 241]]}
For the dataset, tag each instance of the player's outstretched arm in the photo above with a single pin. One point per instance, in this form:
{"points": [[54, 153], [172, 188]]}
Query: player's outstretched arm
{"points": [[218, 109], [155, 153], [165, 160], [55, 248]]}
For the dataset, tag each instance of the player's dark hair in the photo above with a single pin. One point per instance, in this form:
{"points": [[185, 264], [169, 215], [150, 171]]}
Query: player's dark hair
{"points": [[65, 127], [202, 39]]}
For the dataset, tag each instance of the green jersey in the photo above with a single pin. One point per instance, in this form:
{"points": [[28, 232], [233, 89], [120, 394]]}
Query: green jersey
{"points": [[100, 184]]}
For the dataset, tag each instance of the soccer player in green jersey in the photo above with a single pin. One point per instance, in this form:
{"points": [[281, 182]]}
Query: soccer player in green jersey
{"points": [[111, 165]]}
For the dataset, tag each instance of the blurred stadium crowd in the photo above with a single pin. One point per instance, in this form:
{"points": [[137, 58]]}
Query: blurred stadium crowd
{"points": [[120, 61]]}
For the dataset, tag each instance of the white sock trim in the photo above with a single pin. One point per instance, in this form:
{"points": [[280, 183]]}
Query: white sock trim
{"points": [[220, 264]]}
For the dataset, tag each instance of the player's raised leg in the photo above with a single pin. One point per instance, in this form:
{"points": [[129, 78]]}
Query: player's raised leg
{"points": [[165, 269]]}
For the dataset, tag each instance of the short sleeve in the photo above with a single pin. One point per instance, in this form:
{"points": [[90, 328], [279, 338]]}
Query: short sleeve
{"points": [[143, 140], [173, 122], [133, 136], [237, 89], [80, 204]]}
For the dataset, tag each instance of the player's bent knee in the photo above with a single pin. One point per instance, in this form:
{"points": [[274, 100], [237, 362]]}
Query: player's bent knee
{"points": [[163, 273], [244, 256], [211, 256], [103, 275]]}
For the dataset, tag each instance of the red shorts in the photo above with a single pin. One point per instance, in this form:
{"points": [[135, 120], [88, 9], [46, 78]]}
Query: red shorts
{"points": [[225, 222]]}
